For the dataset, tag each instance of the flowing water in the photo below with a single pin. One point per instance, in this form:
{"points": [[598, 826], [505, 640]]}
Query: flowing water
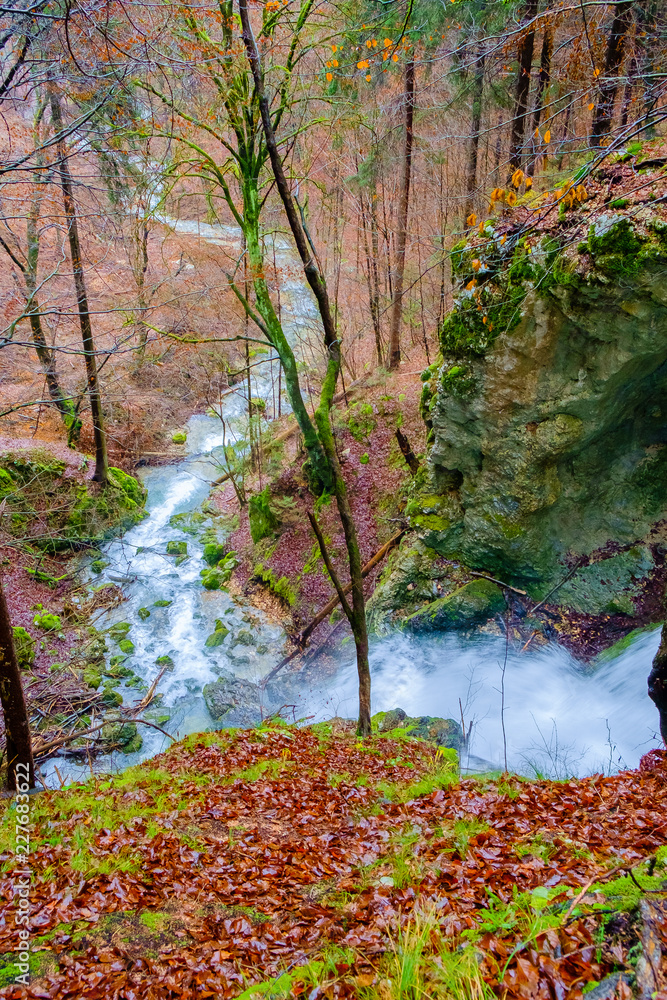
{"points": [[558, 719]]}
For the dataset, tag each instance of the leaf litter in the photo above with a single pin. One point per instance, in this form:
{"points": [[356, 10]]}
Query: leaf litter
{"points": [[285, 862]]}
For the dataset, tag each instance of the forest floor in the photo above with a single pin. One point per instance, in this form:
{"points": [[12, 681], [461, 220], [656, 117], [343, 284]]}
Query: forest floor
{"points": [[284, 862]]}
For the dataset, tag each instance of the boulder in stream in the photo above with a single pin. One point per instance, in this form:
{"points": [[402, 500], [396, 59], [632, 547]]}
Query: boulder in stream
{"points": [[233, 701]]}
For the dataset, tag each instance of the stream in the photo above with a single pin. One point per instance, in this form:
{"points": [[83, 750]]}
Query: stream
{"points": [[558, 719]]}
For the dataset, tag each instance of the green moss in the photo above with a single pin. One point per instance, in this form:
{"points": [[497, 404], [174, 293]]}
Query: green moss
{"points": [[263, 521], [119, 630], [464, 608], [179, 437], [126, 646], [213, 553], [48, 622], [361, 421], [98, 565], [92, 677], [144, 613], [164, 661], [458, 381], [615, 246], [176, 548], [162, 604], [24, 646], [281, 588]]}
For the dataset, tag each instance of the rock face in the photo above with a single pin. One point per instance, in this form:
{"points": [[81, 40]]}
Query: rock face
{"points": [[549, 436]]}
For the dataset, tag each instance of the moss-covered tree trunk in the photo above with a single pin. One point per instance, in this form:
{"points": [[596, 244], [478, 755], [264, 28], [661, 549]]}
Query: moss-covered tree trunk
{"points": [[357, 614], [18, 745]]}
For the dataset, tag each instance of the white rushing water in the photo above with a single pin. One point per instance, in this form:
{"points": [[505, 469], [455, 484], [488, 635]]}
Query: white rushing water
{"points": [[559, 719]]}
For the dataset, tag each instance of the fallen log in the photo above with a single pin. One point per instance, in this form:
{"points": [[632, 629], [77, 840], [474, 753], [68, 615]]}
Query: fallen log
{"points": [[303, 636]]}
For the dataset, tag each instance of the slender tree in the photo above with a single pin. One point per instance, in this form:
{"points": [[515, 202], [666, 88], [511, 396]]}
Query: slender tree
{"points": [[604, 109], [403, 210], [101, 474], [524, 66], [473, 142], [541, 93], [18, 745], [356, 614]]}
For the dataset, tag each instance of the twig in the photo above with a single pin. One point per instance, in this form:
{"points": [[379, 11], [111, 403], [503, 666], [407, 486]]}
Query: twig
{"points": [[527, 644], [148, 697], [557, 587], [508, 586]]}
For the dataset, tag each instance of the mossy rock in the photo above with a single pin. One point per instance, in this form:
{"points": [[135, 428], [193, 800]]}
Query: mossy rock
{"points": [[162, 604], [98, 565], [124, 734], [144, 613], [217, 638], [609, 585], [24, 647], [165, 661], [179, 437], [126, 646], [119, 630], [176, 548], [110, 696], [263, 521], [244, 637], [464, 608], [92, 677], [213, 553]]}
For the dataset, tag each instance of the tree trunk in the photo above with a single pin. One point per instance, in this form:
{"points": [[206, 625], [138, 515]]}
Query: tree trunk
{"points": [[646, 44], [101, 474], [317, 282], [17, 729], [542, 85], [525, 61], [657, 683], [372, 278], [473, 144], [604, 111], [46, 356], [402, 222]]}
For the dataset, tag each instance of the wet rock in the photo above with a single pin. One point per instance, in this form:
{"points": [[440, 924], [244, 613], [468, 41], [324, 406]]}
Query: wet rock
{"points": [[465, 607], [218, 637], [176, 548], [608, 988], [234, 701], [443, 732], [119, 732], [244, 637], [391, 720]]}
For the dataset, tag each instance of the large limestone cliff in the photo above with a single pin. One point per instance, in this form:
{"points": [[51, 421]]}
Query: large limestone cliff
{"points": [[548, 416]]}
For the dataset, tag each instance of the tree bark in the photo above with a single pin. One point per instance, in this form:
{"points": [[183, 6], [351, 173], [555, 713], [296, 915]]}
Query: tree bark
{"points": [[101, 474], [604, 110], [402, 221], [17, 729], [542, 85], [657, 683], [357, 614], [473, 143], [525, 61]]}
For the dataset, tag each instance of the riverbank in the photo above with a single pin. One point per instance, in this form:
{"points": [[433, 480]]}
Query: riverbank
{"points": [[300, 862]]}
